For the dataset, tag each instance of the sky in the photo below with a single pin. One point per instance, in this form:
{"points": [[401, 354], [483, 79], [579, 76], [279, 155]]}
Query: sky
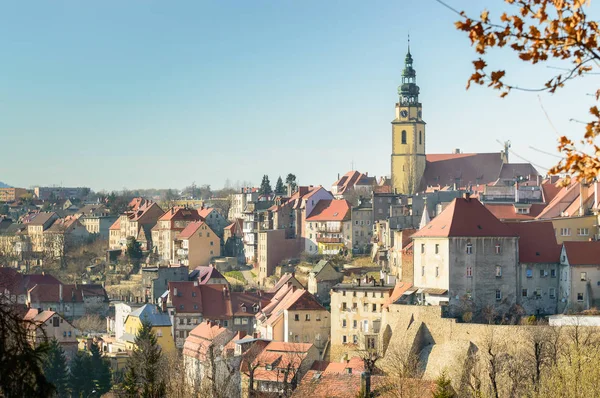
{"points": [[153, 94]]}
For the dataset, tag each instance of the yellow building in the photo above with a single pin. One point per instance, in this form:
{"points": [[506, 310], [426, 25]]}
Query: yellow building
{"points": [[581, 228], [161, 326], [408, 135]]}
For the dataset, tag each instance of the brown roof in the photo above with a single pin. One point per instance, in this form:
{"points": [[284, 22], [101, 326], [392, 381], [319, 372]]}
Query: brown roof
{"points": [[51, 293], [42, 218], [399, 290], [330, 210], [537, 242], [465, 217], [561, 201], [192, 228], [188, 295], [583, 253], [38, 317], [510, 171], [201, 338], [463, 168], [285, 278], [550, 190], [116, 225], [507, 211], [181, 213]]}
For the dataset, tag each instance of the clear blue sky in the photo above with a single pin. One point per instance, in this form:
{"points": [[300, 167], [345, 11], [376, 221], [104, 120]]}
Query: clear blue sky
{"points": [[140, 94]]}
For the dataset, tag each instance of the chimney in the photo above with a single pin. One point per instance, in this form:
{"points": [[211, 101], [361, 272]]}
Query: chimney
{"points": [[164, 305], [583, 193], [195, 283], [358, 282], [174, 291], [456, 151], [293, 274], [467, 196], [365, 384], [40, 310]]}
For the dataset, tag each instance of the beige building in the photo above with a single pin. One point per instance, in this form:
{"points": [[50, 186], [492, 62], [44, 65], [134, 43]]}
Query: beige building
{"points": [[196, 245], [329, 228], [356, 315], [297, 317], [47, 325], [321, 279], [11, 194], [362, 227], [466, 255], [273, 248], [240, 200], [136, 223], [579, 281], [96, 219], [168, 228]]}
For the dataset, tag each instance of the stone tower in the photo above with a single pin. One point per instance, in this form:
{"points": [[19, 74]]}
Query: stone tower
{"points": [[408, 134]]}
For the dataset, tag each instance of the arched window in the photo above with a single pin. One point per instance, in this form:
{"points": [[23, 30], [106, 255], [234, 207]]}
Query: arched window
{"points": [[420, 137], [404, 136]]}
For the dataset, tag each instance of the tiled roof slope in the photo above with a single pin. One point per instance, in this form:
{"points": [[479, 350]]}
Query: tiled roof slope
{"points": [[537, 242], [583, 253]]}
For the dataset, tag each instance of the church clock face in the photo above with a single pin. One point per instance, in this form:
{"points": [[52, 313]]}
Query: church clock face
{"points": [[404, 113]]}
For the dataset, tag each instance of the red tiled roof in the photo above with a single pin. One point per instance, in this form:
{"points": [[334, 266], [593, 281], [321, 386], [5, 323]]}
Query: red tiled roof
{"points": [[537, 242], [285, 278], [38, 317], [561, 201], [507, 211], [185, 297], [116, 225], [463, 168], [12, 281], [39, 279], [215, 303], [204, 212], [465, 218], [330, 210], [191, 229], [583, 253], [398, 291], [352, 178], [51, 293], [181, 213], [201, 338], [206, 273], [550, 190]]}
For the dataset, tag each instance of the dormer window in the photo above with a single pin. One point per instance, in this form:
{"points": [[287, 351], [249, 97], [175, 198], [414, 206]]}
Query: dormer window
{"points": [[269, 367]]}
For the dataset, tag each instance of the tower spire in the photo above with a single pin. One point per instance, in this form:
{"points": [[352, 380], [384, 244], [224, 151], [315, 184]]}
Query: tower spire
{"points": [[409, 43]]}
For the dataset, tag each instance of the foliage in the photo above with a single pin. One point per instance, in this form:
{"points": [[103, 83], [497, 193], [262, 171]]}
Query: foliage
{"points": [[145, 374], [541, 31], [80, 381], [236, 275], [118, 203], [90, 323], [134, 249], [55, 369], [279, 187], [4, 209], [265, 186], [443, 387], [100, 371], [21, 373], [290, 179]]}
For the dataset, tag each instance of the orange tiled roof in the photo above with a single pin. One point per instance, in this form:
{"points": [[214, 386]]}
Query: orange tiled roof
{"points": [[537, 242], [330, 210], [192, 228], [583, 253], [465, 218], [181, 213]]}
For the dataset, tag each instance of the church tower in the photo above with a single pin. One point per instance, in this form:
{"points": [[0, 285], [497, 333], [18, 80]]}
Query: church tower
{"points": [[408, 134]]}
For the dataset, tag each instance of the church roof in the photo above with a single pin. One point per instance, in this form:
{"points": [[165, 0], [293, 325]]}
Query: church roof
{"points": [[464, 169]]}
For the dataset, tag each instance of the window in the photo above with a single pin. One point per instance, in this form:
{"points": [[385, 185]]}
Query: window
{"points": [[583, 231], [159, 333], [344, 339], [529, 273], [552, 273], [181, 321], [356, 222], [343, 306], [498, 295], [64, 334], [404, 136], [437, 248], [181, 334], [565, 232], [538, 292], [468, 295], [354, 324], [343, 323], [237, 321], [579, 297], [423, 270], [374, 307], [437, 271], [344, 293], [498, 251], [69, 333], [225, 323], [524, 293], [181, 307], [469, 272], [355, 339], [55, 322], [195, 306], [244, 321], [353, 294], [307, 317], [297, 317], [366, 308], [552, 293], [208, 234], [469, 248], [212, 243], [583, 276], [193, 294], [420, 137], [498, 271], [189, 321], [318, 317], [422, 248]]}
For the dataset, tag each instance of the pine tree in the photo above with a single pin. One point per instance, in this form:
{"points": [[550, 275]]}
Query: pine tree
{"points": [[279, 188], [130, 385], [80, 381], [145, 365], [443, 387], [265, 186], [55, 368], [291, 181], [100, 371]]}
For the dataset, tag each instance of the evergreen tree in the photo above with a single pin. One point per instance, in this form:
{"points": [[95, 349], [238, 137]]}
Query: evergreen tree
{"points": [[55, 368], [81, 381], [279, 188], [265, 186], [145, 365], [100, 371], [291, 180], [130, 385], [134, 249], [443, 387]]}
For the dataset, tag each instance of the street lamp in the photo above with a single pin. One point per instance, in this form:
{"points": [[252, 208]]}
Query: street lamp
{"points": [[93, 392]]}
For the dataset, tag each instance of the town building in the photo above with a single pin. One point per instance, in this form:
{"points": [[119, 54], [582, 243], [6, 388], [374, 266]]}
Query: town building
{"points": [[539, 259], [296, 317], [356, 314], [155, 279], [466, 253], [240, 200], [196, 245], [50, 193], [329, 227], [137, 223], [11, 194], [321, 280], [579, 280], [96, 219], [362, 226], [46, 325], [168, 228], [70, 300], [161, 327], [215, 220], [233, 243], [353, 185]]}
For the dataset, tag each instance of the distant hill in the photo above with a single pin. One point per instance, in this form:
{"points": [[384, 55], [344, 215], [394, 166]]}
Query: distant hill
{"points": [[3, 185]]}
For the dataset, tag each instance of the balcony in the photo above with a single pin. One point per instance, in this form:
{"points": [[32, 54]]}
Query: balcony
{"points": [[182, 252], [329, 229], [323, 239]]}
